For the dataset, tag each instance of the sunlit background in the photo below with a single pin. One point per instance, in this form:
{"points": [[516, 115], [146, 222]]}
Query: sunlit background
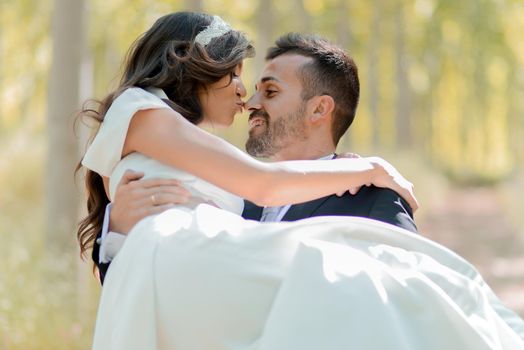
{"points": [[442, 99]]}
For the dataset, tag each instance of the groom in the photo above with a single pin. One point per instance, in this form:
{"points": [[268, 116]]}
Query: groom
{"points": [[299, 69]]}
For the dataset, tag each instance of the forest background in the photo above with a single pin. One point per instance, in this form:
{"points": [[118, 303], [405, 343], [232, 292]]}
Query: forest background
{"points": [[442, 99]]}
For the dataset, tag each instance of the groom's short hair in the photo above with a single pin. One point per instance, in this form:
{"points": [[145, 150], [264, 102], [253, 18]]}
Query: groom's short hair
{"points": [[332, 72]]}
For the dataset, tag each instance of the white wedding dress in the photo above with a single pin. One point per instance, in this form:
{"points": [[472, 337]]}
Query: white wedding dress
{"points": [[199, 277]]}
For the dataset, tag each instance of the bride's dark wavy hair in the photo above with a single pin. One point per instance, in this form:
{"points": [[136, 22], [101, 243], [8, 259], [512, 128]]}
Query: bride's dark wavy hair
{"points": [[165, 57]]}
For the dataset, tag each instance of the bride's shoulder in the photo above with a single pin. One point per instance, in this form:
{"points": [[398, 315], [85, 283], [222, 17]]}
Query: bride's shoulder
{"points": [[135, 94], [133, 99]]}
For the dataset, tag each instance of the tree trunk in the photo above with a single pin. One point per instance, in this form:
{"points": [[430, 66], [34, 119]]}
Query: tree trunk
{"points": [[265, 22], [343, 31], [303, 17], [403, 125], [62, 196], [84, 274], [343, 35], [373, 78], [2, 89], [194, 5]]}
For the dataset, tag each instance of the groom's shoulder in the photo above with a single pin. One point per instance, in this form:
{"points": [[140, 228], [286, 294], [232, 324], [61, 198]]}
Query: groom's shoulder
{"points": [[251, 211], [383, 196], [370, 195], [387, 205]]}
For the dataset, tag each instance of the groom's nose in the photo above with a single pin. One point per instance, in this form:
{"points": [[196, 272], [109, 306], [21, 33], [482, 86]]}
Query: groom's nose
{"points": [[253, 103]]}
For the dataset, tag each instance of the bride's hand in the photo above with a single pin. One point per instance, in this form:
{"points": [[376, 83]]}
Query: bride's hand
{"points": [[387, 176], [352, 190]]}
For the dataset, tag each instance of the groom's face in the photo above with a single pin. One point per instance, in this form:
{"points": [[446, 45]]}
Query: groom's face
{"points": [[277, 110]]}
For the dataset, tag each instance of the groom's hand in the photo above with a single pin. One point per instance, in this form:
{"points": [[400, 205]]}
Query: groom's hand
{"points": [[136, 198]]}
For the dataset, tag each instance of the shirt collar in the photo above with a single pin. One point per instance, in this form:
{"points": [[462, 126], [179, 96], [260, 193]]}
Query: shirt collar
{"points": [[329, 156]]}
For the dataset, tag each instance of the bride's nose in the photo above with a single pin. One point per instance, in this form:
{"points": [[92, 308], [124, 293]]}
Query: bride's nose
{"points": [[241, 89]]}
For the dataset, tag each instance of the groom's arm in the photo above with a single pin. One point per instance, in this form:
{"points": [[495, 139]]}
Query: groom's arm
{"points": [[388, 206]]}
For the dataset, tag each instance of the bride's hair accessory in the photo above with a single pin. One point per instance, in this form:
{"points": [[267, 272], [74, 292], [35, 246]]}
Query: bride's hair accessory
{"points": [[217, 28]]}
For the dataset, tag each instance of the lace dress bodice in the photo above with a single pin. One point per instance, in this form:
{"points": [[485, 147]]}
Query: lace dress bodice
{"points": [[104, 154]]}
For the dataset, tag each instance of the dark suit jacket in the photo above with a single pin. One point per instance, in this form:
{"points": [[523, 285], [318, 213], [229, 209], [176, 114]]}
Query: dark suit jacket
{"points": [[370, 202]]}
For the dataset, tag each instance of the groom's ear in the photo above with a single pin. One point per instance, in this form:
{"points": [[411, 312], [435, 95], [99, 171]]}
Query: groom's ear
{"points": [[321, 108]]}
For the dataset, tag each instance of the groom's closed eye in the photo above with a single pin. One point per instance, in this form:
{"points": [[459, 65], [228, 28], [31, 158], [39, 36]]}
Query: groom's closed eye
{"points": [[266, 81], [269, 93]]}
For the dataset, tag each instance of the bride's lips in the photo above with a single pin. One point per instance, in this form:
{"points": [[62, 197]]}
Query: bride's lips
{"points": [[240, 107]]}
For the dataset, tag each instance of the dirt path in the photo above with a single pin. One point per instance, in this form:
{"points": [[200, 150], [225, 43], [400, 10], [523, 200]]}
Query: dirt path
{"points": [[472, 222]]}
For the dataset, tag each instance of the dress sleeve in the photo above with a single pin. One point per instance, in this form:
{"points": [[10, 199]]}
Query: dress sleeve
{"points": [[106, 149]]}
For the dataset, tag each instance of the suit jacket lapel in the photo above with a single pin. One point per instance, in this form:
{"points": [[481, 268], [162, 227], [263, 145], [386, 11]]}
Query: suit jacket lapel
{"points": [[303, 210]]}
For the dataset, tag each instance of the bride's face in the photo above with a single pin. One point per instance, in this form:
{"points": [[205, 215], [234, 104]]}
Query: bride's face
{"points": [[223, 99]]}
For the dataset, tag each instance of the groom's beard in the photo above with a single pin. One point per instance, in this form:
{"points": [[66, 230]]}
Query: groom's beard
{"points": [[276, 135]]}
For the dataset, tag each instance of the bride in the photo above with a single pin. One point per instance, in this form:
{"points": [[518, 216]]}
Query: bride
{"points": [[198, 276]]}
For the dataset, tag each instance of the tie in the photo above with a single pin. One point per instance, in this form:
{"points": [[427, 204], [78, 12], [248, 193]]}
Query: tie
{"points": [[270, 214]]}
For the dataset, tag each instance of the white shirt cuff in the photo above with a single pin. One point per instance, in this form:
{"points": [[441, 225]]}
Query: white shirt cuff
{"points": [[110, 242], [110, 246]]}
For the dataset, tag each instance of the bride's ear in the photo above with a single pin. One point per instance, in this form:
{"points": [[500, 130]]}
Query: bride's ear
{"points": [[322, 107]]}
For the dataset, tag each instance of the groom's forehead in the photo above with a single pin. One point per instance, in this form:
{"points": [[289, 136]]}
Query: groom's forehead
{"points": [[283, 68]]}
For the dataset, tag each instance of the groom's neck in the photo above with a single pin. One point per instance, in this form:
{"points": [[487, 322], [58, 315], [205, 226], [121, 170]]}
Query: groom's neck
{"points": [[306, 152]]}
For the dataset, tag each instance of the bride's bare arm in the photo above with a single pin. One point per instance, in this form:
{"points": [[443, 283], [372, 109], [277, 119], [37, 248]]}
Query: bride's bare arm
{"points": [[165, 135]]}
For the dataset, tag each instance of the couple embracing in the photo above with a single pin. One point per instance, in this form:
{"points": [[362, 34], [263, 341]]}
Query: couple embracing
{"points": [[198, 275]]}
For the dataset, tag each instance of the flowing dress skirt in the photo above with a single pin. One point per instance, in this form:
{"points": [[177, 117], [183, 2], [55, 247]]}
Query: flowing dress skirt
{"points": [[207, 279]]}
